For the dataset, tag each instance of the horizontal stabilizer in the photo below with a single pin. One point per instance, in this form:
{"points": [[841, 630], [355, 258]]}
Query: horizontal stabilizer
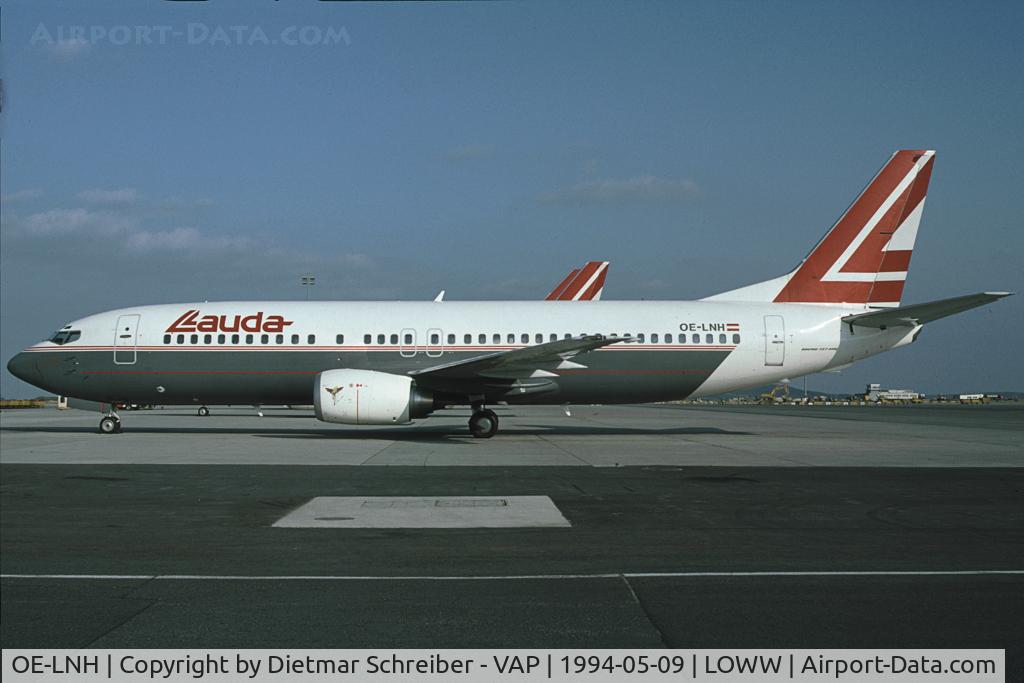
{"points": [[919, 314]]}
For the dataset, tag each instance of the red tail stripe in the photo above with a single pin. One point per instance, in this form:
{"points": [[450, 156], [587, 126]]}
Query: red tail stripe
{"points": [[581, 279], [561, 285], [593, 289], [895, 261], [886, 291], [806, 284], [869, 255]]}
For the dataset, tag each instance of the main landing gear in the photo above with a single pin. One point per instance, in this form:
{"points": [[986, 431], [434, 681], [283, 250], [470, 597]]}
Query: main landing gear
{"points": [[484, 422], [110, 424]]}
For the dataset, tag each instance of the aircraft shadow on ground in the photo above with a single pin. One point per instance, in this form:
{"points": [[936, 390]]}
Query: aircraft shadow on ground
{"points": [[426, 434]]}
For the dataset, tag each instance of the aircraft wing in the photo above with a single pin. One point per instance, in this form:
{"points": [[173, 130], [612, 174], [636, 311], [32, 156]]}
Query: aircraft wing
{"points": [[919, 314], [531, 361]]}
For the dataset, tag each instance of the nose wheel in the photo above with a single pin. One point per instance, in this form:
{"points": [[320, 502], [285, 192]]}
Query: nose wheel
{"points": [[483, 424], [203, 411]]}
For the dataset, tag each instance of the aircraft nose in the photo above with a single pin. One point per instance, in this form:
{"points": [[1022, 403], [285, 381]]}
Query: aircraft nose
{"points": [[23, 366]]}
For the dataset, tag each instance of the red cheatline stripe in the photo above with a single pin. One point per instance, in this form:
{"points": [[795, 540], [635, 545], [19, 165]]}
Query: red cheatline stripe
{"points": [[579, 281], [590, 371], [380, 349], [598, 283], [202, 372], [561, 285]]}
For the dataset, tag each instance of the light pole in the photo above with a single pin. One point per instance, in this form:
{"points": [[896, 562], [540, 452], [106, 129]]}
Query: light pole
{"points": [[308, 281]]}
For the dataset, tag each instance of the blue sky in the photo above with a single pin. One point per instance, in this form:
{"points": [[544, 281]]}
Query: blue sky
{"points": [[485, 148]]}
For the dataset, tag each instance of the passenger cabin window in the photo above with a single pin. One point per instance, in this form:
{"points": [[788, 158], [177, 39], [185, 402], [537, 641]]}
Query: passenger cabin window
{"points": [[279, 339], [367, 338], [295, 339], [221, 338], [249, 338], [709, 338], [435, 338], [553, 337], [181, 339], [654, 338], [524, 338], [167, 339], [339, 339], [207, 338], [668, 337], [538, 338], [482, 339], [194, 339], [264, 339], [451, 338], [682, 338], [721, 339], [380, 338], [735, 339], [408, 338], [640, 337], [311, 339], [696, 339], [496, 338], [234, 339], [511, 338], [467, 339], [394, 339]]}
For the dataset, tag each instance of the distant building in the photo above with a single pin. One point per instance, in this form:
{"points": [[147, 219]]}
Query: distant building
{"points": [[875, 392]]}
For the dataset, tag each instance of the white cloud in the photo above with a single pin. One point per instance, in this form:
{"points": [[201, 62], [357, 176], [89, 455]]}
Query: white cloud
{"points": [[20, 196], [469, 152], [646, 188], [176, 239], [354, 260], [173, 203], [125, 195], [67, 221]]}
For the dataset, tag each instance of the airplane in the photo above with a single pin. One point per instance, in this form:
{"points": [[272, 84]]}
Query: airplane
{"points": [[581, 284], [368, 363]]}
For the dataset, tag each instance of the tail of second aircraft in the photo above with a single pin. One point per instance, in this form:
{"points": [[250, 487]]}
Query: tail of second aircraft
{"points": [[864, 258]]}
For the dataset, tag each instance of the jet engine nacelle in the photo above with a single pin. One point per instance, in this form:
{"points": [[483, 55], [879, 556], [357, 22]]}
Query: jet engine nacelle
{"points": [[367, 397]]}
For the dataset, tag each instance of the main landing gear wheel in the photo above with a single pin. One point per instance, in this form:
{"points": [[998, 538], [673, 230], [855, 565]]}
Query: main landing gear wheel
{"points": [[203, 411], [110, 425], [483, 424]]}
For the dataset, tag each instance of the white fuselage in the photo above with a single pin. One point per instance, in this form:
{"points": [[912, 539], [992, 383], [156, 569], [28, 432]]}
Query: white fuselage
{"points": [[264, 352]]}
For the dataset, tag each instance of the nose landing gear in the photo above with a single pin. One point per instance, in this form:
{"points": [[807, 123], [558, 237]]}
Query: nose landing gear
{"points": [[203, 411], [483, 424]]}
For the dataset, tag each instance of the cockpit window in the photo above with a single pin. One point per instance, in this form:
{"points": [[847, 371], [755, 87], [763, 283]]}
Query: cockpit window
{"points": [[65, 337]]}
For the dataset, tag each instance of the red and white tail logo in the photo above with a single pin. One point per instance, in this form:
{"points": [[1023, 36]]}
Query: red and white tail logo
{"points": [[865, 256], [582, 284]]}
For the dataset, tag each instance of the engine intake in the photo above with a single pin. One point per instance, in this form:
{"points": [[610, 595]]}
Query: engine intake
{"points": [[368, 397]]}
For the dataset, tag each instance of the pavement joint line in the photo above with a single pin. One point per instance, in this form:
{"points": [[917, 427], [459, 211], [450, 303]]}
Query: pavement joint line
{"points": [[521, 577]]}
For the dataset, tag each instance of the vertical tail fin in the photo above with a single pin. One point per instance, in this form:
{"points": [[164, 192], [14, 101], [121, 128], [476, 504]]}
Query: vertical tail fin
{"points": [[583, 283], [864, 258]]}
